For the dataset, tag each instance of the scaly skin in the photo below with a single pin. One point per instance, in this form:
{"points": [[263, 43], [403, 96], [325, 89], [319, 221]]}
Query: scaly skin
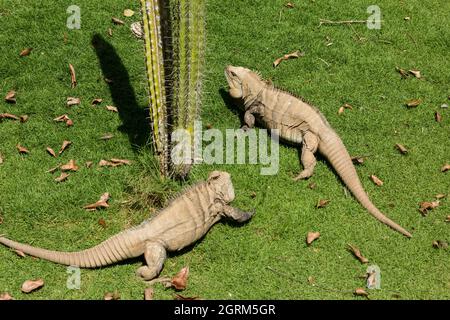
{"points": [[299, 123], [183, 222]]}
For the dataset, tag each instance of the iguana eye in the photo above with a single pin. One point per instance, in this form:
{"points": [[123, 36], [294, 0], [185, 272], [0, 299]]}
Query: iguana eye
{"points": [[233, 74]]}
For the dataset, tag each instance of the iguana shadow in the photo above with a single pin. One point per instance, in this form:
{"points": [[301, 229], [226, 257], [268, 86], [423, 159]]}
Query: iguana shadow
{"points": [[135, 119]]}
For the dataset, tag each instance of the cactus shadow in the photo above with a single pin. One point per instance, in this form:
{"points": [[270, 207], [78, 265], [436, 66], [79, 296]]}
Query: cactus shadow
{"points": [[135, 119], [234, 105]]}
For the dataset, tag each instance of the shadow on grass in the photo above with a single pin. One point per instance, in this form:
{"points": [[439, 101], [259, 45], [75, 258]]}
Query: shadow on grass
{"points": [[135, 120]]}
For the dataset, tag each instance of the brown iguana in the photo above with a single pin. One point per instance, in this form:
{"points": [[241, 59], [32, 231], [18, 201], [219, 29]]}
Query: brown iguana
{"points": [[298, 122], [187, 218]]}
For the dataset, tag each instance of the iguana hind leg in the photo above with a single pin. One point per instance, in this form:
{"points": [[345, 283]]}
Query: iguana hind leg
{"points": [[310, 144], [155, 255]]}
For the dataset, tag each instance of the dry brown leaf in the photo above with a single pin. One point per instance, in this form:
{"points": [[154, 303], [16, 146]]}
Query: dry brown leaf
{"points": [[415, 73], [8, 116], [20, 253], [322, 203], [292, 55], [447, 219], [402, 72], [428, 205], [72, 101], [439, 244], [413, 103], [121, 161], [62, 118], [358, 159], [148, 294], [117, 21], [445, 167], [357, 253], [180, 297], [65, 145], [128, 13], [51, 152], [289, 5], [179, 282], [89, 164], [437, 116], [361, 292], [112, 296], [253, 195], [440, 196], [22, 149], [73, 76], [311, 280], [52, 170], [341, 110], [1, 158], [4, 296], [96, 101], [107, 80], [312, 236], [24, 118], [31, 285], [69, 123], [70, 166], [11, 97], [105, 163], [110, 33], [376, 180], [63, 177], [312, 185], [401, 148], [107, 136], [112, 109], [25, 52], [102, 222], [101, 203]]}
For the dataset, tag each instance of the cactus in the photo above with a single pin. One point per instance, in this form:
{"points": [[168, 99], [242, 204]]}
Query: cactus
{"points": [[156, 80]]}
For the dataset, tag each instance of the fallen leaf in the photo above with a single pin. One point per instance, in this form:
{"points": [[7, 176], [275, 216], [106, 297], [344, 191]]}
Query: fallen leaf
{"points": [[24, 118], [22, 149], [8, 116], [128, 13], [148, 294], [107, 136], [25, 52], [69, 123], [358, 159], [180, 280], [253, 195], [102, 222], [120, 161], [4, 296], [447, 219], [110, 33], [341, 110], [360, 292], [70, 166], [20, 253], [52, 170], [311, 280], [312, 185], [112, 109], [402, 72], [31, 285], [445, 167], [426, 205], [322, 203], [136, 29], [444, 106], [415, 73], [101, 203], [437, 116], [406, 18], [62, 118], [1, 158], [11, 97], [89, 164], [104, 163], [311, 236], [376, 180], [65, 145], [357, 253], [112, 296], [117, 21], [73, 77], [63, 177], [413, 103], [439, 244], [96, 101], [371, 280], [180, 297], [440, 196], [289, 5], [401, 148], [72, 101], [292, 55], [51, 152]]}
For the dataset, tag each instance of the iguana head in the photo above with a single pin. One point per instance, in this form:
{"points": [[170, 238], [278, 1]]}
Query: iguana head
{"points": [[220, 182], [244, 83]]}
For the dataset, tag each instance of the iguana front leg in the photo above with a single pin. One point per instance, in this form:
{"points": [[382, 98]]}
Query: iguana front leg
{"points": [[249, 120], [310, 144], [155, 255], [237, 214]]}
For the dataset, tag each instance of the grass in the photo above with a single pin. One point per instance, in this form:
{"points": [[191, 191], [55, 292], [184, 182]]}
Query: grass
{"points": [[232, 262]]}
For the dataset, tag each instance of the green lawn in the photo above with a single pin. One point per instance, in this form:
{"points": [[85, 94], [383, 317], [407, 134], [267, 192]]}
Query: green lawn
{"points": [[232, 262]]}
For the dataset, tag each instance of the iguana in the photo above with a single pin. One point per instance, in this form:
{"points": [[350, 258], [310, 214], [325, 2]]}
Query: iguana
{"points": [[185, 220], [298, 123]]}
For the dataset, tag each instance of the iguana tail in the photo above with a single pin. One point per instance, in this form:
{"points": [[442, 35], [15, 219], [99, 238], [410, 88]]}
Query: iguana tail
{"points": [[117, 248], [334, 150]]}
